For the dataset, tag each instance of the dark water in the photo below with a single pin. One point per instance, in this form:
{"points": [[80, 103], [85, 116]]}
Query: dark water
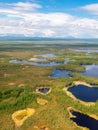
{"points": [[59, 73], [84, 120], [91, 70], [35, 63], [44, 90], [84, 93]]}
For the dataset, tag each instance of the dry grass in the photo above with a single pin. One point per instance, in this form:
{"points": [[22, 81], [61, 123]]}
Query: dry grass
{"points": [[81, 82], [41, 101], [20, 116]]}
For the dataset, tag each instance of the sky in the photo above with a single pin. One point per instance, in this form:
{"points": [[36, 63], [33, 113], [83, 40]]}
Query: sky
{"points": [[49, 18]]}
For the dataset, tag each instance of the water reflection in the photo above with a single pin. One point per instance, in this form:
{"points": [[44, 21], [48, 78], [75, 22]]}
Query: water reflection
{"points": [[91, 70]]}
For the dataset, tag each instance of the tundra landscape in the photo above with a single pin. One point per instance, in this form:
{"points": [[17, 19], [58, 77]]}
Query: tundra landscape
{"points": [[49, 85]]}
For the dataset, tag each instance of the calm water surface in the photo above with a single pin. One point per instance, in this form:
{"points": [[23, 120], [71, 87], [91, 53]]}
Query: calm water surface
{"points": [[84, 93], [44, 90], [84, 120]]}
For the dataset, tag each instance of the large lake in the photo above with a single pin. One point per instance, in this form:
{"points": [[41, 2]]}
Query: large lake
{"points": [[84, 120], [84, 93]]}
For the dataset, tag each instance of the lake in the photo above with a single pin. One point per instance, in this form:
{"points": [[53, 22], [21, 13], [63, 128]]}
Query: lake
{"points": [[84, 120], [84, 93]]}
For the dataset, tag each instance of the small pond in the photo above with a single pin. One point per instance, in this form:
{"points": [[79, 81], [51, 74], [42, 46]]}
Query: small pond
{"points": [[84, 120], [85, 93], [91, 70], [43, 90], [59, 73]]}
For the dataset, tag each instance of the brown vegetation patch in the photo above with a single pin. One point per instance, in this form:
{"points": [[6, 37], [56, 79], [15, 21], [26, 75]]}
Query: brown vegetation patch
{"points": [[32, 59], [20, 116], [21, 85], [41, 101], [11, 83]]}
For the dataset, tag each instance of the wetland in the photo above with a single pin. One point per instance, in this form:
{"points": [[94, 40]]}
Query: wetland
{"points": [[47, 66]]}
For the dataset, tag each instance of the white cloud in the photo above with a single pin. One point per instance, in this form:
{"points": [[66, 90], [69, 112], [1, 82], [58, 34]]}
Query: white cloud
{"points": [[91, 8], [24, 19], [19, 8]]}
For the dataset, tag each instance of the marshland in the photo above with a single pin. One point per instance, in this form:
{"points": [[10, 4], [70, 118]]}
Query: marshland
{"points": [[27, 66]]}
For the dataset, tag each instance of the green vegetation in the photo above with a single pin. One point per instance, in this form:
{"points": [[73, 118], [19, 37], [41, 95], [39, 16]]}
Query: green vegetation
{"points": [[18, 83]]}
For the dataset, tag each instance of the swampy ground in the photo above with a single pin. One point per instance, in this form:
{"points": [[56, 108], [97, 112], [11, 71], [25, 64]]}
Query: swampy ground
{"points": [[18, 83]]}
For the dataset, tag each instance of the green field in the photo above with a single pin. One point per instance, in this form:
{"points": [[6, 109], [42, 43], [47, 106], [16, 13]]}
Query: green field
{"points": [[18, 83]]}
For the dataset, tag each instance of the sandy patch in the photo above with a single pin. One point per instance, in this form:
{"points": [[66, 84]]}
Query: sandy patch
{"points": [[33, 59], [20, 116], [81, 82], [21, 85], [41, 101], [11, 84]]}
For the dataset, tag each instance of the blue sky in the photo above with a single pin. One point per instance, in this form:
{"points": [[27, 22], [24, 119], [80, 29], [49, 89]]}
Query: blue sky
{"points": [[49, 18]]}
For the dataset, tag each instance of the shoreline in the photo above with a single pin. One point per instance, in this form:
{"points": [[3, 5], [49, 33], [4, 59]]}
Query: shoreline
{"points": [[82, 82], [37, 90], [76, 99], [71, 115]]}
